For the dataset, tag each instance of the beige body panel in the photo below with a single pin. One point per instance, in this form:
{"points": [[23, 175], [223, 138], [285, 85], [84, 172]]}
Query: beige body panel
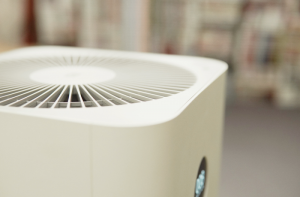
{"points": [[40, 157], [162, 160]]}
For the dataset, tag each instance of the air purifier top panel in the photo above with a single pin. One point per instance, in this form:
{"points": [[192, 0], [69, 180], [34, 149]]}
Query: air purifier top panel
{"points": [[79, 81], [106, 87]]}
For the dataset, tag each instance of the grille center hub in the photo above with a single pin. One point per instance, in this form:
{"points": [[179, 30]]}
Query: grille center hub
{"points": [[70, 75]]}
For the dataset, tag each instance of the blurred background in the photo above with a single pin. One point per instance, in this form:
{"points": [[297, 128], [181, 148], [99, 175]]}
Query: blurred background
{"points": [[259, 39]]}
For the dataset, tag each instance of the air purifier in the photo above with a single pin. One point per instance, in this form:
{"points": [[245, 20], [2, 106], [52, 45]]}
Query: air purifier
{"points": [[97, 123]]}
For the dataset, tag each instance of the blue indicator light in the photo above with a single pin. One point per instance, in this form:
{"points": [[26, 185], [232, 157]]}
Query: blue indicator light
{"points": [[200, 183]]}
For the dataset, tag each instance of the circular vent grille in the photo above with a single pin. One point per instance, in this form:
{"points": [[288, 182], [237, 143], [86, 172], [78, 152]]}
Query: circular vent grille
{"points": [[79, 82]]}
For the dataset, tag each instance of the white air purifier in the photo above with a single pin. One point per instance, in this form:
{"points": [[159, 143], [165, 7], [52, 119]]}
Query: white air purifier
{"points": [[95, 123]]}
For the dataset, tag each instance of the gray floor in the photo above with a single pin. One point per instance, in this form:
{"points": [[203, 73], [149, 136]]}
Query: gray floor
{"points": [[261, 154]]}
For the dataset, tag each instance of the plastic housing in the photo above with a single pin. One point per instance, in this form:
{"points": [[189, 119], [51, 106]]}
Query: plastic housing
{"points": [[150, 149]]}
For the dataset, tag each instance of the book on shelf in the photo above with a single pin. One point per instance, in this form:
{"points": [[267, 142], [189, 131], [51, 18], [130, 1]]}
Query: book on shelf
{"points": [[12, 21], [56, 22]]}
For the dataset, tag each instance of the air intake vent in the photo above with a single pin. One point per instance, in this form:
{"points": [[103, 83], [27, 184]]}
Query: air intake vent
{"points": [[83, 81]]}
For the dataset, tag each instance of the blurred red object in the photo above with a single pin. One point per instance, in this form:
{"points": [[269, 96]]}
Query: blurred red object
{"points": [[30, 35]]}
